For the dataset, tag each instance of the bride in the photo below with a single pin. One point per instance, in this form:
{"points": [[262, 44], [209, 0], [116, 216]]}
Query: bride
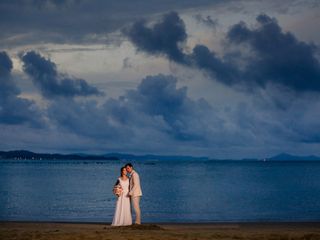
{"points": [[122, 215]]}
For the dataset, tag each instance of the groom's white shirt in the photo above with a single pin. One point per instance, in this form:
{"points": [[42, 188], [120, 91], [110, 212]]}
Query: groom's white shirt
{"points": [[135, 188]]}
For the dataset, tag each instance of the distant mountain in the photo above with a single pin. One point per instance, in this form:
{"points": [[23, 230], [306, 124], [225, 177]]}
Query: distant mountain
{"points": [[23, 154], [289, 157]]}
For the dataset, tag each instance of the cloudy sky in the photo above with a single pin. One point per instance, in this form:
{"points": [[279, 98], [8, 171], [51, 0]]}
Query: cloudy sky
{"points": [[218, 78]]}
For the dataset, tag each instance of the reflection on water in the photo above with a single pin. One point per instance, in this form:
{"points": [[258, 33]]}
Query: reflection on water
{"points": [[173, 191]]}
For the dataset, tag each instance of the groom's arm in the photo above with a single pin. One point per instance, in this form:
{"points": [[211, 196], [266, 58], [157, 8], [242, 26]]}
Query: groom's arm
{"points": [[136, 183]]}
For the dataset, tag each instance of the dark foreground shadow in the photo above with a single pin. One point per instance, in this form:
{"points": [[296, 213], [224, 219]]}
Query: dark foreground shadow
{"points": [[143, 227]]}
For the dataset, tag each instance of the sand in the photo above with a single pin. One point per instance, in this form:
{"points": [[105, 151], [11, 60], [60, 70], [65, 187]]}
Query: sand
{"points": [[95, 231]]}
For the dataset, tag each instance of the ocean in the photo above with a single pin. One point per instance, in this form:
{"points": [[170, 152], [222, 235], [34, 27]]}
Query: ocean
{"points": [[173, 191]]}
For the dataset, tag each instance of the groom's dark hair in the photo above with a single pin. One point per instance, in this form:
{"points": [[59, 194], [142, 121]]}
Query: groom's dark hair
{"points": [[128, 165]]}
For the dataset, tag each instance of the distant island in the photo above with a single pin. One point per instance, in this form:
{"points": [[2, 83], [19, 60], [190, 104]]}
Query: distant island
{"points": [[289, 157], [28, 155]]}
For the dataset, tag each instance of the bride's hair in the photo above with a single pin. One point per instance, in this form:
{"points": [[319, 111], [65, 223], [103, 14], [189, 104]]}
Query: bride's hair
{"points": [[121, 171]]}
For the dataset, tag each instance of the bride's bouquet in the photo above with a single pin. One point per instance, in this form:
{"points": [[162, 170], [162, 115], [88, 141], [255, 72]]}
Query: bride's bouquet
{"points": [[117, 190]]}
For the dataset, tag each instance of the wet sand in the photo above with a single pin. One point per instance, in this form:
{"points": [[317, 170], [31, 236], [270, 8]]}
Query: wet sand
{"points": [[99, 231]]}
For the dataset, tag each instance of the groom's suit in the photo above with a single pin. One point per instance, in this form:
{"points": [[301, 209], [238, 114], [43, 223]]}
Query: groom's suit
{"points": [[135, 193]]}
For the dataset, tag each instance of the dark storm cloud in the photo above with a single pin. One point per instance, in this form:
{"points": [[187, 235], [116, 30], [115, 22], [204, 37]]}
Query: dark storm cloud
{"points": [[77, 21], [51, 83], [157, 107], [163, 37], [276, 57], [7, 85], [158, 96], [219, 69], [5, 63], [279, 57], [14, 109], [167, 38]]}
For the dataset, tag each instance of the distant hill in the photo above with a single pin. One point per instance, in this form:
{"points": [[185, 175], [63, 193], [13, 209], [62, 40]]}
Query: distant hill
{"points": [[23, 154], [289, 157], [28, 155]]}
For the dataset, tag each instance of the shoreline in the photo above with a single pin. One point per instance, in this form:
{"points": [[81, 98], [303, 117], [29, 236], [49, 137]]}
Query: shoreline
{"points": [[158, 231], [169, 223], [173, 223]]}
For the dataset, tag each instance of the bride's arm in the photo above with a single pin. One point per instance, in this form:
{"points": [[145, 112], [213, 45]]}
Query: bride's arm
{"points": [[117, 182]]}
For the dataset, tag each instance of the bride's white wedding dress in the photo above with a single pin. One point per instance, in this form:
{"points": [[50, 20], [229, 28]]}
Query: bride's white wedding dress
{"points": [[122, 215]]}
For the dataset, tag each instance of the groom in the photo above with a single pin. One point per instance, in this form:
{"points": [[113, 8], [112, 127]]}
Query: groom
{"points": [[134, 191]]}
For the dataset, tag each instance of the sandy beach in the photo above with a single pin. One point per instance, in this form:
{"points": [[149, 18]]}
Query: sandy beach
{"points": [[99, 231]]}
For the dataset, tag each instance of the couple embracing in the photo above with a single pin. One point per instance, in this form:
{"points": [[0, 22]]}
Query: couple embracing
{"points": [[128, 191]]}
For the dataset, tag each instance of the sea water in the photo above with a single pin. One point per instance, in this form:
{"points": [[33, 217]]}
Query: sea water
{"points": [[173, 191]]}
